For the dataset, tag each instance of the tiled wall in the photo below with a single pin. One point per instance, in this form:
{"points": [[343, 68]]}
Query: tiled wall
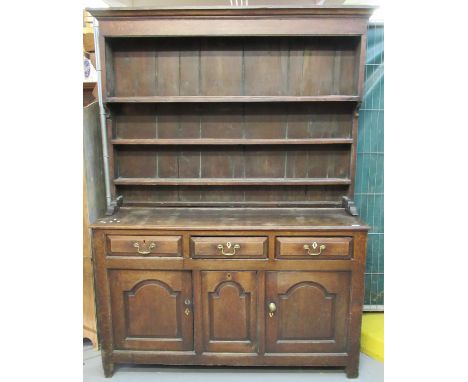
{"points": [[369, 192]]}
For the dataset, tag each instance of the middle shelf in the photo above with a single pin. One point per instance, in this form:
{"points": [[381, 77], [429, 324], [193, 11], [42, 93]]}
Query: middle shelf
{"points": [[220, 141], [231, 181]]}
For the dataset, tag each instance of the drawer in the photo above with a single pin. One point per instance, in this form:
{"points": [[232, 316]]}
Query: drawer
{"points": [[223, 247], [313, 247], [145, 246]]}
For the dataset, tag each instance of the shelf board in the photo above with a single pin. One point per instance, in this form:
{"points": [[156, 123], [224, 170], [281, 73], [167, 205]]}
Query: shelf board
{"points": [[175, 99], [216, 141], [231, 181]]}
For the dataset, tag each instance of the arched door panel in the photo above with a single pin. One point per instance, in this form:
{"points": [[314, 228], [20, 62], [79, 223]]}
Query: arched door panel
{"points": [[152, 310], [311, 311], [229, 311]]}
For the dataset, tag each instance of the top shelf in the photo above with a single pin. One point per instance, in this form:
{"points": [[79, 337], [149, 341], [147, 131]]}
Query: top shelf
{"points": [[194, 99]]}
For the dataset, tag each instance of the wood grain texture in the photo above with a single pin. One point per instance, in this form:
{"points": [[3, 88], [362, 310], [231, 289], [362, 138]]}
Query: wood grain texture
{"points": [[232, 98], [103, 302], [357, 301], [296, 219], [215, 141], [333, 248], [232, 130], [319, 165], [148, 309], [159, 246], [234, 196], [293, 25], [234, 69], [255, 72], [231, 181], [222, 264], [229, 303], [320, 291], [226, 121], [232, 247], [311, 312]]}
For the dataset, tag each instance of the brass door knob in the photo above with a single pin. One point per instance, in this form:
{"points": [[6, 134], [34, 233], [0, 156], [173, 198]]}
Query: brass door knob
{"points": [[271, 308]]}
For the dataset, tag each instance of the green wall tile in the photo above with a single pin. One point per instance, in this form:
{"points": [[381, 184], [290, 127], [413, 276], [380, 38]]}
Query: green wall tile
{"points": [[369, 191]]}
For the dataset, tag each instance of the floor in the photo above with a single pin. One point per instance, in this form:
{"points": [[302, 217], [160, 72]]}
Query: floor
{"points": [[370, 371]]}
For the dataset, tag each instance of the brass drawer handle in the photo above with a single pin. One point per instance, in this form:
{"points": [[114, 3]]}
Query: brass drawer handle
{"points": [[229, 245], [272, 309], [314, 247], [144, 251]]}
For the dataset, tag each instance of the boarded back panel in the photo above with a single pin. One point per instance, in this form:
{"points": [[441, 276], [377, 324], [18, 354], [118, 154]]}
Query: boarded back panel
{"points": [[234, 66]]}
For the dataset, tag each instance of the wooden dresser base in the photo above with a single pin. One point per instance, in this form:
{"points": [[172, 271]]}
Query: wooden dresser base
{"points": [[267, 301]]}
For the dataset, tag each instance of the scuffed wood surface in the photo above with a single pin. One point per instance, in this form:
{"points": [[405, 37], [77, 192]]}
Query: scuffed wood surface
{"points": [[231, 218]]}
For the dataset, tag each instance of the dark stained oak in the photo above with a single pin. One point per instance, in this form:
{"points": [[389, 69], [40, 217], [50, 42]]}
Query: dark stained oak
{"points": [[182, 99], [229, 305], [318, 290], [232, 219], [316, 247], [287, 23], [311, 311], [249, 204], [233, 196], [250, 122], [146, 246], [229, 182], [232, 237], [215, 141], [148, 310], [229, 247]]}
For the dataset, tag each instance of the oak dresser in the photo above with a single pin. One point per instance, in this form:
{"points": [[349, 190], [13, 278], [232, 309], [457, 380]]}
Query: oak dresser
{"points": [[232, 236]]}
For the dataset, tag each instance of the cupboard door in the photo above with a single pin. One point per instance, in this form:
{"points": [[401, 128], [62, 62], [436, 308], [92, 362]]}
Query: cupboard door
{"points": [[307, 312], [151, 310], [229, 308]]}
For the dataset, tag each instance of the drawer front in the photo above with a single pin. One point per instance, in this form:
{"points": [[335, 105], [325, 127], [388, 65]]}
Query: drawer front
{"points": [[145, 246], [313, 247], [228, 247]]}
